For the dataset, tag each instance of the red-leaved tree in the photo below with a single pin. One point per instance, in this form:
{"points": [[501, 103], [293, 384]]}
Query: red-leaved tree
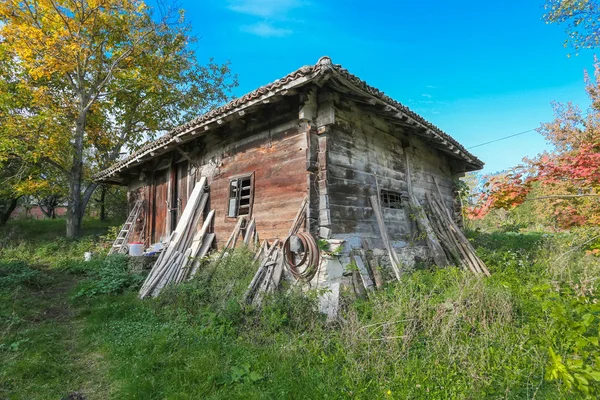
{"points": [[568, 178]]}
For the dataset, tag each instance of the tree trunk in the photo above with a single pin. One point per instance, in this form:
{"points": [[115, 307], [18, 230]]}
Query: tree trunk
{"points": [[75, 202], [7, 206], [102, 206]]}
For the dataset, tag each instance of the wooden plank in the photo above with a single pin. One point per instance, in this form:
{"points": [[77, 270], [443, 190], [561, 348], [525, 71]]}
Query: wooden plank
{"points": [[391, 252], [379, 282], [234, 234], [259, 276], [277, 273], [250, 232], [206, 245], [159, 271], [364, 273], [199, 244]]}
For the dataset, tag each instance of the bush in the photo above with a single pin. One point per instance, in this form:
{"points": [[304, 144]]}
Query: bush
{"points": [[111, 277], [13, 274]]}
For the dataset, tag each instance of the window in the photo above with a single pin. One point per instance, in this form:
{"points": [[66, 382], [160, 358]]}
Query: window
{"points": [[391, 199], [240, 196]]}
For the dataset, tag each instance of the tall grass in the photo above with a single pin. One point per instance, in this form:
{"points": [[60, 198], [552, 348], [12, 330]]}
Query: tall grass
{"points": [[438, 334]]}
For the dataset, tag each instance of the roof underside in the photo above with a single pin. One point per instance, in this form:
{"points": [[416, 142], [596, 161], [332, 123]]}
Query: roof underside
{"points": [[324, 71]]}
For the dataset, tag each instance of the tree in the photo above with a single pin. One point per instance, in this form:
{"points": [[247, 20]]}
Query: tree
{"points": [[568, 178], [582, 19], [102, 74]]}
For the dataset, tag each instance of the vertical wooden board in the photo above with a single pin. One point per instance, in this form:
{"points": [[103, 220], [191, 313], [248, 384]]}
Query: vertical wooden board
{"points": [[161, 185], [173, 213], [182, 184]]}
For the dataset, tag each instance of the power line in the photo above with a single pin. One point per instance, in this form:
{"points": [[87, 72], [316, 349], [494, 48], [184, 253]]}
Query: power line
{"points": [[513, 135], [502, 138]]}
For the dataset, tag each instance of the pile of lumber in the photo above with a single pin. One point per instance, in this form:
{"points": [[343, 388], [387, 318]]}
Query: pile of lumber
{"points": [[187, 245], [269, 274], [445, 240], [271, 260], [453, 240], [245, 230]]}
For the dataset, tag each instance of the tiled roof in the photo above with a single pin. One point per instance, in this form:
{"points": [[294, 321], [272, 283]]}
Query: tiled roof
{"points": [[297, 78]]}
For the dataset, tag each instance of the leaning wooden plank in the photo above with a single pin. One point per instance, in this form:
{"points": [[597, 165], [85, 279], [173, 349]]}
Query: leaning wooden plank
{"points": [[364, 274], [234, 234], [183, 267], [176, 237], [267, 280], [439, 192], [250, 292], [248, 295], [439, 257], [364, 252], [437, 252], [256, 239], [384, 235], [263, 248], [449, 241], [250, 230], [168, 275], [157, 265], [199, 236], [206, 245], [463, 244], [357, 283], [446, 222], [237, 231], [191, 231], [300, 217], [277, 272], [438, 223]]}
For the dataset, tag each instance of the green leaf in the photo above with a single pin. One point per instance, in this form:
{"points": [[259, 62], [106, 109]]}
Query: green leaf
{"points": [[255, 376]]}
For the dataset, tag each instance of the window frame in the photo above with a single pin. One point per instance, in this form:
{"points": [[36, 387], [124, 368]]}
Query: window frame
{"points": [[239, 178], [393, 199]]}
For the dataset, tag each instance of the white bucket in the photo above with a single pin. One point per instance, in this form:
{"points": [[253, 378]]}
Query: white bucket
{"points": [[136, 249]]}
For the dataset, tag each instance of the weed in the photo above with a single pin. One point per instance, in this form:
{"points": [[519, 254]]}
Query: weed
{"points": [[111, 277], [529, 331]]}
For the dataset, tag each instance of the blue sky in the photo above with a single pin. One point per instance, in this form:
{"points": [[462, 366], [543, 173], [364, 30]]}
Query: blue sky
{"points": [[478, 70]]}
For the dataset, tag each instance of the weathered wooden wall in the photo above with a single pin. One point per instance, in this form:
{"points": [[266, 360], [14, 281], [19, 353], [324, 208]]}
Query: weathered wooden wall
{"points": [[271, 147], [343, 164], [363, 149], [276, 157]]}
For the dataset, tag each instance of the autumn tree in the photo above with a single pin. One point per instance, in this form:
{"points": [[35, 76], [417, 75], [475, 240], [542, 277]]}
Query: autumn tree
{"points": [[102, 74], [567, 179]]}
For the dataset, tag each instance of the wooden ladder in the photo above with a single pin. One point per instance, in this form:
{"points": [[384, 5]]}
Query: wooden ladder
{"points": [[123, 236]]}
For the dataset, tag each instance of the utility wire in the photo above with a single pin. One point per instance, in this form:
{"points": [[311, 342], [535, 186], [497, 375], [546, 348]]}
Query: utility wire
{"points": [[510, 136], [502, 138]]}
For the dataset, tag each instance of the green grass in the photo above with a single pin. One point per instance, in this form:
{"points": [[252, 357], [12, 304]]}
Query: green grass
{"points": [[68, 326]]}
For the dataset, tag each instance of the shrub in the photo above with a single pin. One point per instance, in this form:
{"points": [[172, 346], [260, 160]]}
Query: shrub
{"points": [[111, 277], [13, 274]]}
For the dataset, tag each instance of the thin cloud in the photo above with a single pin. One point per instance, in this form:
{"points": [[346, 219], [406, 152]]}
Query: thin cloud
{"points": [[264, 8], [265, 30], [426, 95]]}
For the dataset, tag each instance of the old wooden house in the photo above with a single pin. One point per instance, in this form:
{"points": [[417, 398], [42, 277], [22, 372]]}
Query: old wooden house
{"points": [[319, 132]]}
